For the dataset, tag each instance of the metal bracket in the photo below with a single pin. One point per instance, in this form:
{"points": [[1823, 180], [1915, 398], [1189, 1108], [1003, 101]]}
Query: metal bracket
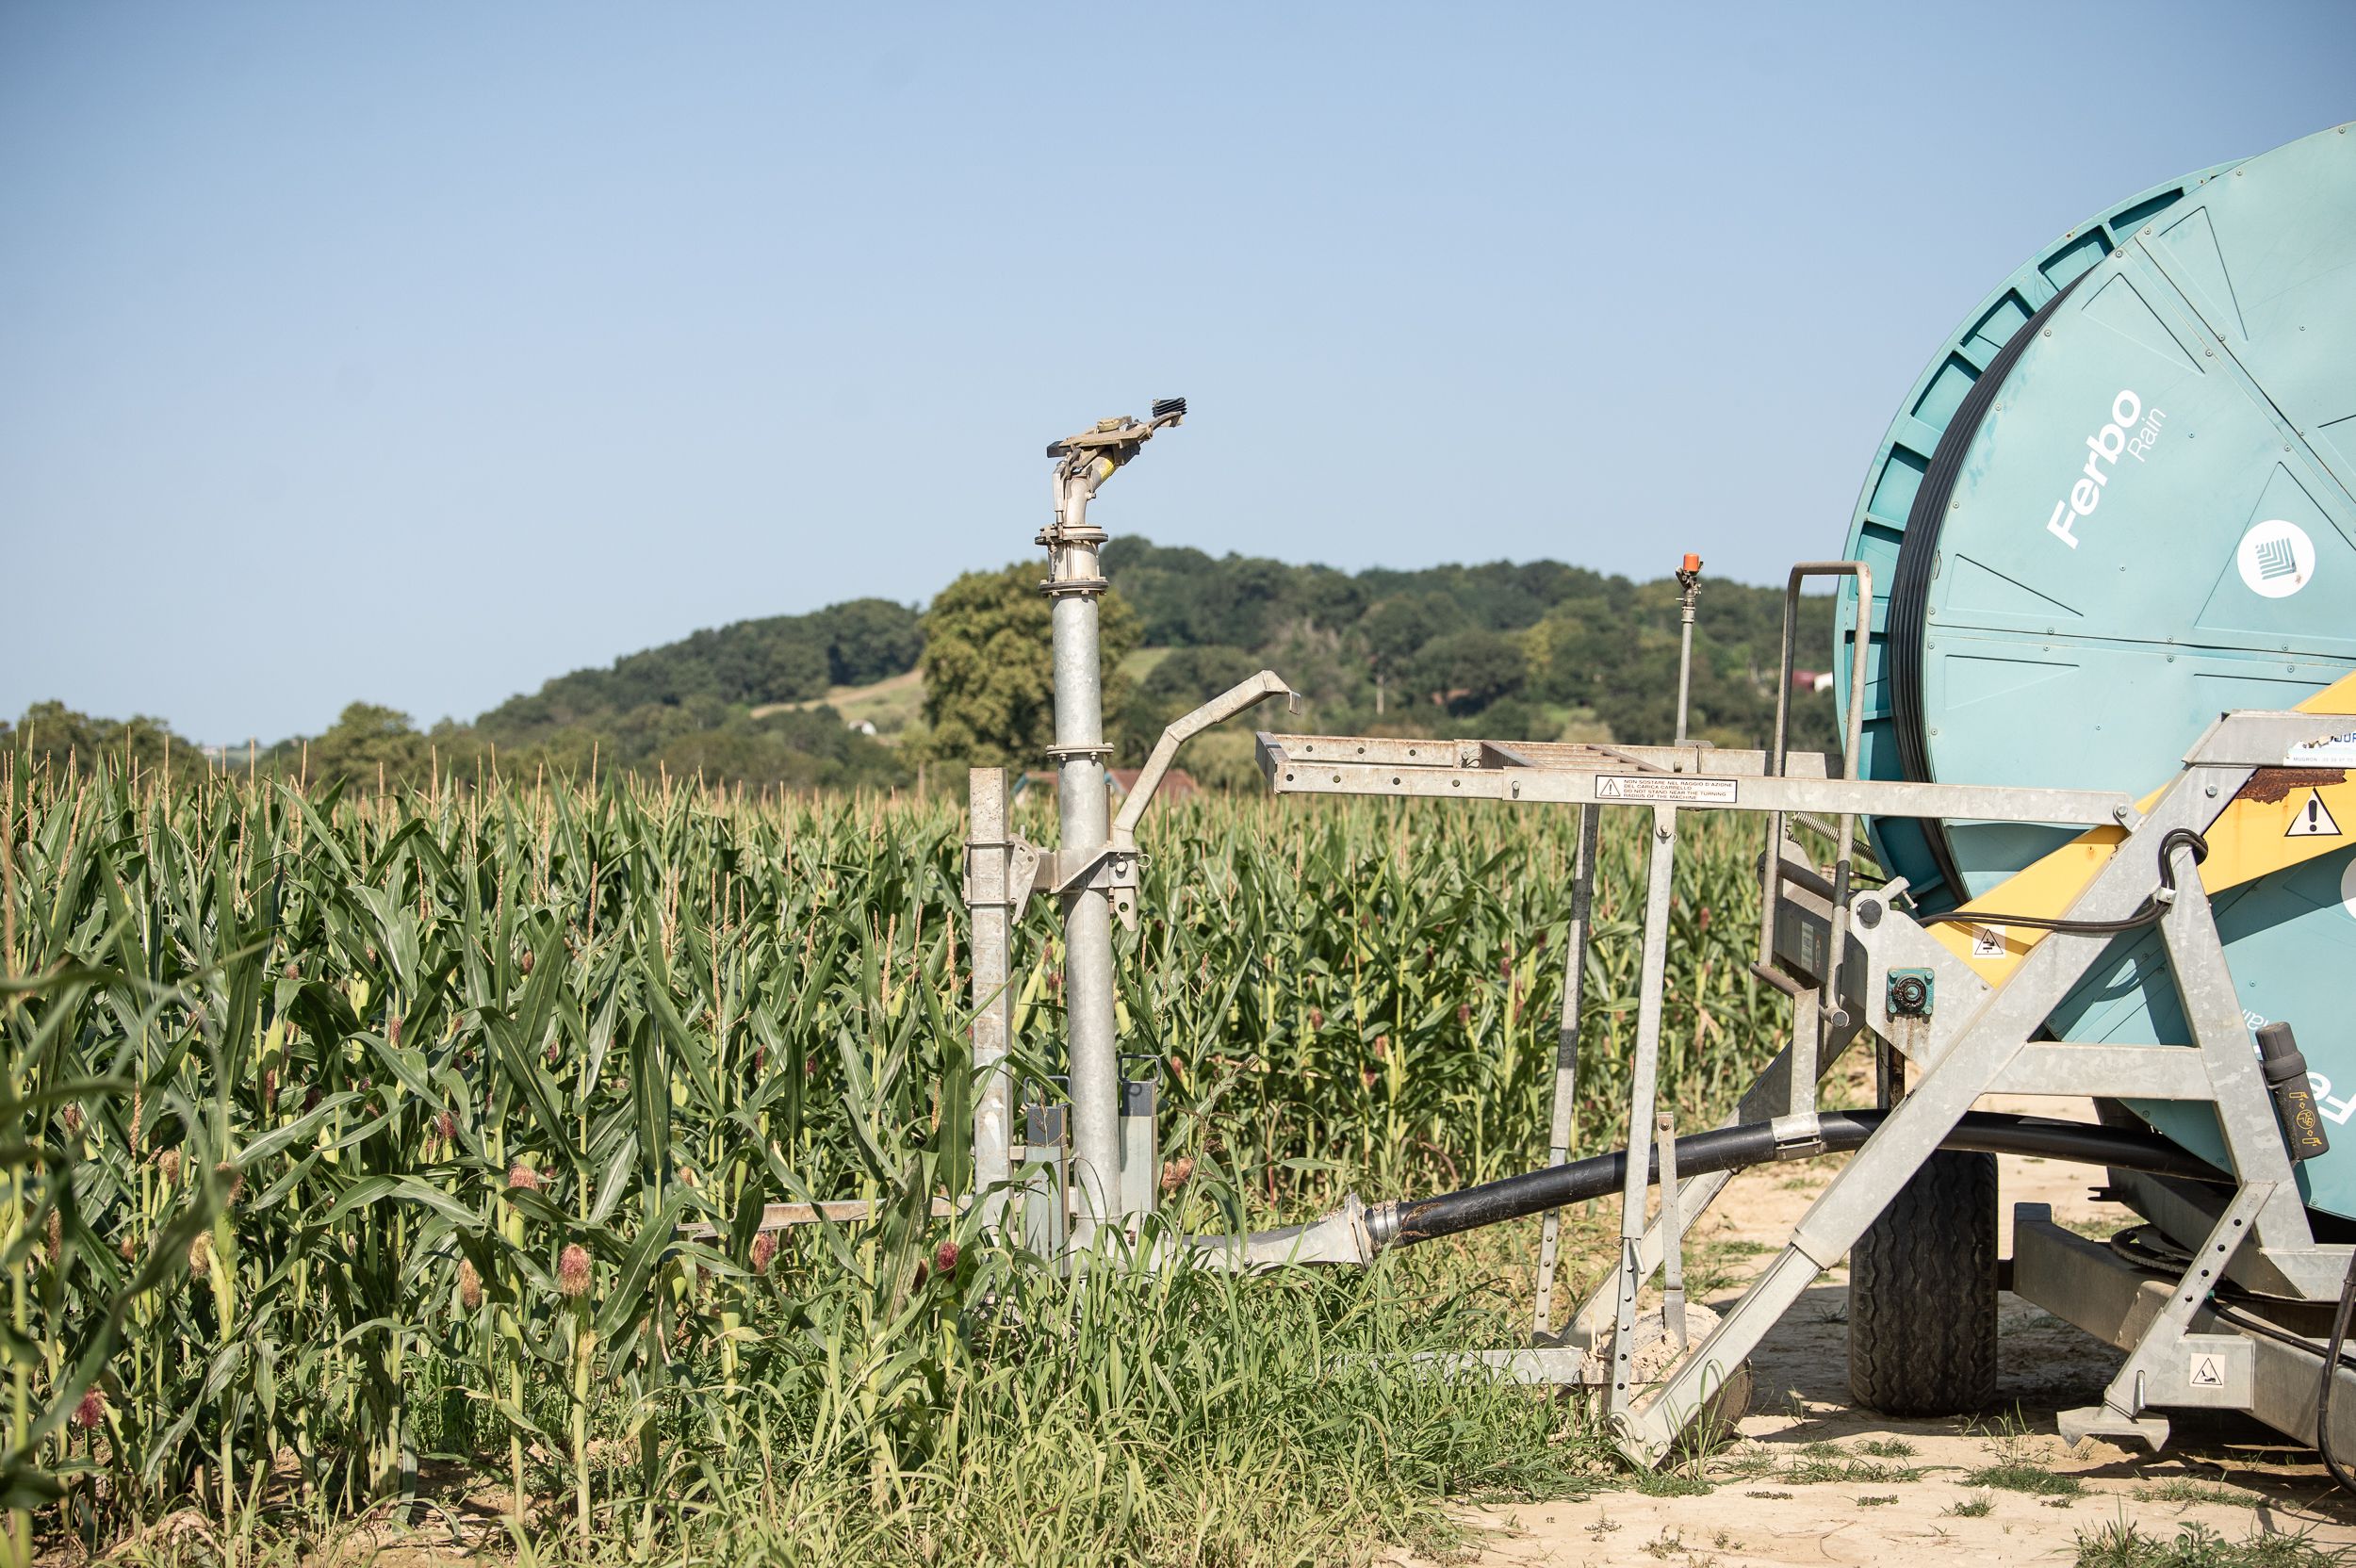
{"points": [[1024, 859], [1243, 694], [1031, 870], [1112, 871]]}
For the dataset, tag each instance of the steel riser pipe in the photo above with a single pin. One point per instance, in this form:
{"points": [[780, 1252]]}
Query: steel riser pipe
{"points": [[1084, 818]]}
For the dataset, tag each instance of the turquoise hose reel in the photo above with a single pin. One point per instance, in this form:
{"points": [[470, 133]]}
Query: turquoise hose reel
{"points": [[2121, 501]]}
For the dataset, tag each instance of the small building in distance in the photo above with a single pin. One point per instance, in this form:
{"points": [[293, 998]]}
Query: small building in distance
{"points": [[1177, 784]]}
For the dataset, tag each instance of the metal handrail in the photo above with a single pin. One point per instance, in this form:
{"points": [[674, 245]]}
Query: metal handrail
{"points": [[1829, 1015]]}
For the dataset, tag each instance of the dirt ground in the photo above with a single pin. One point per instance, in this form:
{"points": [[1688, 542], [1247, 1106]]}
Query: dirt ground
{"points": [[1813, 1480]]}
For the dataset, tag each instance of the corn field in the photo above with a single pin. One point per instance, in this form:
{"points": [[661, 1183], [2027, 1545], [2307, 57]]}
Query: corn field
{"points": [[366, 1150]]}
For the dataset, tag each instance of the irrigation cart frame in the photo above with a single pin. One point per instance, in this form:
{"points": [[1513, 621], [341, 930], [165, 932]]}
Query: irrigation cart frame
{"points": [[1948, 1022]]}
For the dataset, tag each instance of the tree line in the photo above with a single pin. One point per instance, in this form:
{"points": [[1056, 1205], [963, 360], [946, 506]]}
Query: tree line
{"points": [[1536, 652]]}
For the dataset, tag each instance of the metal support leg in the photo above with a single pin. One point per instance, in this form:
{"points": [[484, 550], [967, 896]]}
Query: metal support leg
{"points": [[1807, 1037], [1673, 1256], [991, 906], [1643, 1086], [2121, 1414], [2244, 1111], [1566, 1053]]}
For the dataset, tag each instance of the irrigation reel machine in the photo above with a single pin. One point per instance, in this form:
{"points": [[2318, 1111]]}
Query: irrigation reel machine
{"points": [[2096, 622]]}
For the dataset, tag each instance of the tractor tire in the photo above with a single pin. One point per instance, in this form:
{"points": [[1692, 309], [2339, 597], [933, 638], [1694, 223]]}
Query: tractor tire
{"points": [[1922, 1293]]}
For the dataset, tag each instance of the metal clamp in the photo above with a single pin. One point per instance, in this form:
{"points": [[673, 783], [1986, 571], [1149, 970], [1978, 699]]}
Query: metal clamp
{"points": [[1797, 1135], [1022, 879], [1114, 872], [1106, 870]]}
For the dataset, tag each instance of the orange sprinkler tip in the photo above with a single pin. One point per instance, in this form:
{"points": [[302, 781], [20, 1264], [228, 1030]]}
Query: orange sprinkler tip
{"points": [[1693, 562]]}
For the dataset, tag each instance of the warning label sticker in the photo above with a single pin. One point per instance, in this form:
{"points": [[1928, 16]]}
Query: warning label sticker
{"points": [[1666, 789], [2329, 751], [2206, 1371], [1987, 941], [2312, 821]]}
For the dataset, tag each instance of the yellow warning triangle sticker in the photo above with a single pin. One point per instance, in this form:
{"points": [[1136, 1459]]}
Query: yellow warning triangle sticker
{"points": [[2312, 821]]}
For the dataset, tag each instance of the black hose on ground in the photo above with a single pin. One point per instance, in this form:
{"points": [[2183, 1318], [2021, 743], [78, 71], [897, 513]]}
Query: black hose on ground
{"points": [[1409, 1221]]}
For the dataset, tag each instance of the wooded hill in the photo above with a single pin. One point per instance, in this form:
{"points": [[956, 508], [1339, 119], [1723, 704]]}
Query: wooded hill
{"points": [[1537, 650]]}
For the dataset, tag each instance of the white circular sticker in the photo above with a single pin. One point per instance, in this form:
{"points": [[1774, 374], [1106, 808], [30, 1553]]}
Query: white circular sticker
{"points": [[2276, 559], [2348, 887]]}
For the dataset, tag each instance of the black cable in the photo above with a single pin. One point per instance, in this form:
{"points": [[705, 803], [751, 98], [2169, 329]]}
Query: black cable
{"points": [[2135, 1246], [2146, 913], [2331, 1378], [1755, 1143]]}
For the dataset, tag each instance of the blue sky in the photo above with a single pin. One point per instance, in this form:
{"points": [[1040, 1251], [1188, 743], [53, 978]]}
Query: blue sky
{"points": [[417, 352]]}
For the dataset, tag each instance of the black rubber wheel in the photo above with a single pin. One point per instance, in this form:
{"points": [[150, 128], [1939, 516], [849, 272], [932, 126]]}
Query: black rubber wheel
{"points": [[1922, 1293]]}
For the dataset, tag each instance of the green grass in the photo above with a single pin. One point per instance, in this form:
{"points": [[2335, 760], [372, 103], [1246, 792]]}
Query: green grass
{"points": [[2181, 1490], [1979, 1505], [2100, 1229], [2020, 1475], [1827, 1463], [2124, 1544], [1670, 1483]]}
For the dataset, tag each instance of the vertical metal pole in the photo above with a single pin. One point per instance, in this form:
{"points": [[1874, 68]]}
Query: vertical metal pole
{"points": [[1643, 1082], [1802, 1081], [1074, 584], [1688, 589], [991, 904], [1566, 1055]]}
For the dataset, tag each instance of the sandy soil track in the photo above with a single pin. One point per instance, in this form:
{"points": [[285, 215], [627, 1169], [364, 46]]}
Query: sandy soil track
{"points": [[1814, 1480]]}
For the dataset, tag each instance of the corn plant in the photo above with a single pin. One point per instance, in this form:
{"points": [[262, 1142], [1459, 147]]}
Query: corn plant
{"points": [[344, 1135]]}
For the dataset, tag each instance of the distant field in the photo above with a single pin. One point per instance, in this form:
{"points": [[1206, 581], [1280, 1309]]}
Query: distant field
{"points": [[894, 704], [1141, 661], [890, 704]]}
